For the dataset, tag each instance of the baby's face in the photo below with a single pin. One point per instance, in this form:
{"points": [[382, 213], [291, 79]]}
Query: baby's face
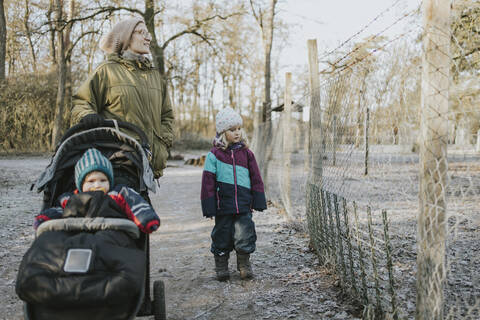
{"points": [[96, 181]]}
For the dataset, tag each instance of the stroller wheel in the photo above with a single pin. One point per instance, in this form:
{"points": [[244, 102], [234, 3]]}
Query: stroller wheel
{"points": [[159, 309]]}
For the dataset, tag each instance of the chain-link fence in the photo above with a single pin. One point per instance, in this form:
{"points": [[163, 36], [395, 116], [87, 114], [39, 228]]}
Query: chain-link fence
{"points": [[392, 192], [285, 181], [369, 186], [462, 285]]}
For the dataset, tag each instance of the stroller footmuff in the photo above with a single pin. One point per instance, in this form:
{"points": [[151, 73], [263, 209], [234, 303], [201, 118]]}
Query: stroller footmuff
{"points": [[92, 262], [84, 267]]}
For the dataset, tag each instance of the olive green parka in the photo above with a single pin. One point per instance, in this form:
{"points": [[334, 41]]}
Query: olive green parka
{"points": [[132, 91]]}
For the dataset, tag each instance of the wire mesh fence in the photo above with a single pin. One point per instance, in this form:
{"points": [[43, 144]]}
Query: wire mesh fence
{"points": [[462, 285], [368, 162], [286, 187], [395, 209]]}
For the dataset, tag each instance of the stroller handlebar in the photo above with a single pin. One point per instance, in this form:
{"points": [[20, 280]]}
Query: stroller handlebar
{"points": [[112, 124]]}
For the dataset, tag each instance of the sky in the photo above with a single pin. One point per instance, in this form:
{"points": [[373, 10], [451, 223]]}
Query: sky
{"points": [[332, 22]]}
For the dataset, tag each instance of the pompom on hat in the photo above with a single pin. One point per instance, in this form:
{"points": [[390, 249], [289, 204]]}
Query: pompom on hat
{"points": [[227, 118], [118, 39], [92, 160]]}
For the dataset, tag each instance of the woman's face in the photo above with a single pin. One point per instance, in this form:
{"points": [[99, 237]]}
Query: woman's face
{"points": [[234, 134], [140, 41]]}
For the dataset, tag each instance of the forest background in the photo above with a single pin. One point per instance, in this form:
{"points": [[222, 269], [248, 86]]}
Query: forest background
{"points": [[214, 54]]}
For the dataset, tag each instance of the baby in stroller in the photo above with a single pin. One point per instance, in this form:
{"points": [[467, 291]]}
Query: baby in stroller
{"points": [[93, 173], [90, 255]]}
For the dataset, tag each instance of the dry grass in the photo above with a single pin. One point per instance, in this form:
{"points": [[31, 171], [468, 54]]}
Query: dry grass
{"points": [[27, 104]]}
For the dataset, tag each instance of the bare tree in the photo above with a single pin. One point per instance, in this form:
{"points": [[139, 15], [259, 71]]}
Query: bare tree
{"points": [[51, 31], [264, 148], [3, 40], [156, 49], [265, 21], [62, 74], [28, 34]]}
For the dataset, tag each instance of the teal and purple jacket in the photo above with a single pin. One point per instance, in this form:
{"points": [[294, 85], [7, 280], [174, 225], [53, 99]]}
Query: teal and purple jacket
{"points": [[231, 182]]}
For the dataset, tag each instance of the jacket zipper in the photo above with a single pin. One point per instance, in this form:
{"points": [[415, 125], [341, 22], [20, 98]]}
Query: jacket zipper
{"points": [[235, 181]]}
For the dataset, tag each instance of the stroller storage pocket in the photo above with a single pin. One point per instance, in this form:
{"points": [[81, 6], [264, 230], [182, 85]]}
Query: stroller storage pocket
{"points": [[83, 263]]}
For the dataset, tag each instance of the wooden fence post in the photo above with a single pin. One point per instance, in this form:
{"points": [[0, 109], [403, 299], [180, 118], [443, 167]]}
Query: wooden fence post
{"points": [[366, 127], [315, 134], [334, 141], [306, 143], [477, 145], [287, 144], [314, 207], [432, 220]]}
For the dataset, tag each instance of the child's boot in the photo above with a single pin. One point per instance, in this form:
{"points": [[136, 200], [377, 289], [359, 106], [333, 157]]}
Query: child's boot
{"points": [[243, 265], [221, 267]]}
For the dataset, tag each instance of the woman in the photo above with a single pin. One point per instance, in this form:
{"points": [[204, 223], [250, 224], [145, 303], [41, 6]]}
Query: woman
{"points": [[127, 87]]}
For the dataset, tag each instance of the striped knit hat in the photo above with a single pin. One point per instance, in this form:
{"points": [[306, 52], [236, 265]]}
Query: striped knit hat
{"points": [[92, 160]]}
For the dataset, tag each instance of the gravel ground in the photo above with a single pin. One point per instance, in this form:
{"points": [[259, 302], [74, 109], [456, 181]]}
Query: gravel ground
{"points": [[288, 281]]}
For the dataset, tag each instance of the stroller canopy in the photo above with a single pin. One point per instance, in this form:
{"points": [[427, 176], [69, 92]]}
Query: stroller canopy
{"points": [[101, 138]]}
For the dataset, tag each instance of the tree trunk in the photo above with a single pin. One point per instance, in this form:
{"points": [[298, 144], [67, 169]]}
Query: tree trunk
{"points": [[265, 147], [267, 33], [28, 33], [211, 98], [156, 50], [91, 54], [62, 77], [68, 45], [3, 40], [52, 32], [253, 111], [196, 95]]}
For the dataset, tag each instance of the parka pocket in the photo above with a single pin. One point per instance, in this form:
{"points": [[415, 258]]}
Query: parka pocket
{"points": [[160, 153]]}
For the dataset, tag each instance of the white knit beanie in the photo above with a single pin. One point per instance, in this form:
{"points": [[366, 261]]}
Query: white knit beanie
{"points": [[118, 39], [227, 118]]}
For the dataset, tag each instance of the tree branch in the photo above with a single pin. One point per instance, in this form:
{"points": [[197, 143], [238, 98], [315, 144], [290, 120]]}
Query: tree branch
{"points": [[198, 24], [466, 54], [98, 11], [259, 20], [70, 49]]}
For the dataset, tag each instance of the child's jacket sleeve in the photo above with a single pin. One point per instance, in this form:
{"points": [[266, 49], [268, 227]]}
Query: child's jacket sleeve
{"points": [[136, 208], [208, 194], [53, 212], [259, 202]]}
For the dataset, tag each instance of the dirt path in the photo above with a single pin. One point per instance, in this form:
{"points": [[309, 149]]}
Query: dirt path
{"points": [[288, 282]]}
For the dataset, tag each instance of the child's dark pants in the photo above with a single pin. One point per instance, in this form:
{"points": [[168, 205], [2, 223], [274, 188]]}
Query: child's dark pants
{"points": [[233, 231]]}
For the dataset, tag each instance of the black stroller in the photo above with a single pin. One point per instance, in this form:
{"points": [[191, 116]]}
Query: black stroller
{"points": [[130, 160]]}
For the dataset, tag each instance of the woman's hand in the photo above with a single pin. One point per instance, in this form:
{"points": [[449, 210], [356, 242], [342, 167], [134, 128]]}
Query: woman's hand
{"points": [[92, 120]]}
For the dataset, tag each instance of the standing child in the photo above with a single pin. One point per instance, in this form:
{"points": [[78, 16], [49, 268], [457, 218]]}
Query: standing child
{"points": [[231, 188], [93, 173]]}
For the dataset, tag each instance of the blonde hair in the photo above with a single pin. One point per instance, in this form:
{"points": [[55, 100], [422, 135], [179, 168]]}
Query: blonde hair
{"points": [[226, 144]]}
